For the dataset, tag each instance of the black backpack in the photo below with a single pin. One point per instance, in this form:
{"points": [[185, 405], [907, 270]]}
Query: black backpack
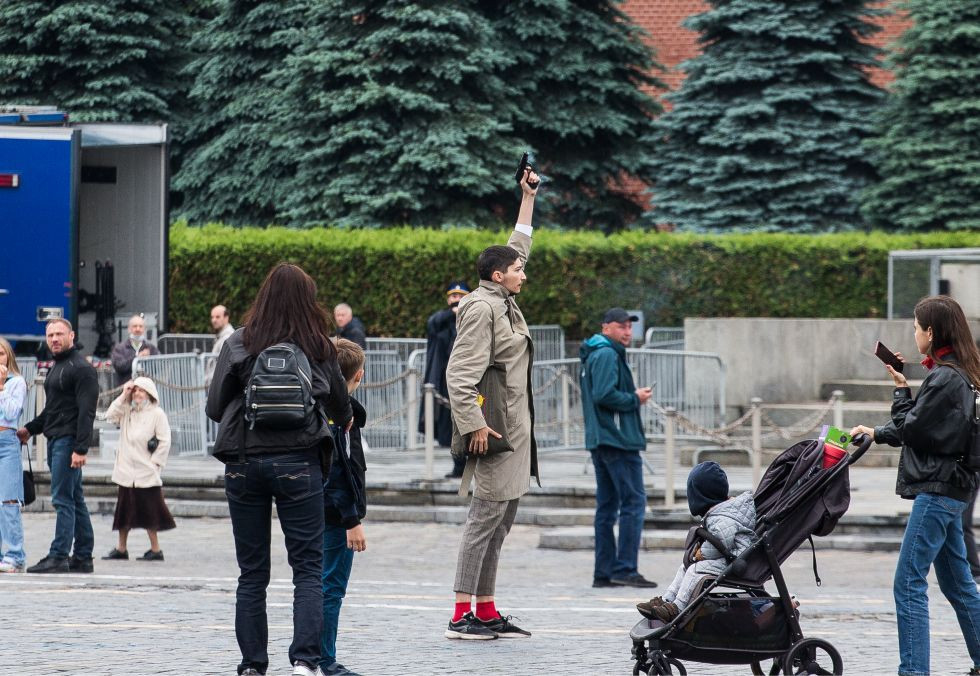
{"points": [[971, 454], [279, 393]]}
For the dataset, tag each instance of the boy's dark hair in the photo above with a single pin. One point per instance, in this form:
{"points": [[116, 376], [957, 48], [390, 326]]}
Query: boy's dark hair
{"points": [[495, 259], [350, 357]]}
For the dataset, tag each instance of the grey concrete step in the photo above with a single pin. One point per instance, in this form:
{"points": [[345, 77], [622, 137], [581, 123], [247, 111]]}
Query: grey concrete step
{"points": [[582, 538]]}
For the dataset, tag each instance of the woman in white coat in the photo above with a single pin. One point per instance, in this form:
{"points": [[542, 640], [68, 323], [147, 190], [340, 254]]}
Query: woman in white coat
{"points": [[144, 444]]}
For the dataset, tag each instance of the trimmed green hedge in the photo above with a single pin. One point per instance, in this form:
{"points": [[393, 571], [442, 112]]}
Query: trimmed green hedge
{"points": [[395, 278]]}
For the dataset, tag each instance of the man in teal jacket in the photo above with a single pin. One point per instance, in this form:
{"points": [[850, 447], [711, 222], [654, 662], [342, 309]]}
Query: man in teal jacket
{"points": [[614, 437]]}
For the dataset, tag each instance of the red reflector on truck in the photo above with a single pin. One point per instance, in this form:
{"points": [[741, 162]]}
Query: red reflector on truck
{"points": [[9, 180]]}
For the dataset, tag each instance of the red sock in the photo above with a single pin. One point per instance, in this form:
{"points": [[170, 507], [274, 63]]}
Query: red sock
{"points": [[486, 611], [461, 609]]}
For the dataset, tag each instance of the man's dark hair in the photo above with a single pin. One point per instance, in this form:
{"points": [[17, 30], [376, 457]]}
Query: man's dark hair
{"points": [[495, 259]]}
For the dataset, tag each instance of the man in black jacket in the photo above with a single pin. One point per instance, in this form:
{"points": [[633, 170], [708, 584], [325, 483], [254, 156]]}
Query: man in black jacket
{"points": [[349, 326], [440, 333], [71, 389]]}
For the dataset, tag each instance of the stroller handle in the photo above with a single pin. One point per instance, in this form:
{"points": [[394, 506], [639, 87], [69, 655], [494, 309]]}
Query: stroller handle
{"points": [[864, 443]]}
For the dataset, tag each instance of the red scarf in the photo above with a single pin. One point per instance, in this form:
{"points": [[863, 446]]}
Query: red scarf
{"points": [[928, 362]]}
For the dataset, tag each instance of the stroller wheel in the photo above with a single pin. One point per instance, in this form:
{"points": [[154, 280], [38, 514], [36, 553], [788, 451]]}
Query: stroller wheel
{"points": [[664, 665], [813, 656]]}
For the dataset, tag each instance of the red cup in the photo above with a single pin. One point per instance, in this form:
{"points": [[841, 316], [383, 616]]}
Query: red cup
{"points": [[832, 455]]}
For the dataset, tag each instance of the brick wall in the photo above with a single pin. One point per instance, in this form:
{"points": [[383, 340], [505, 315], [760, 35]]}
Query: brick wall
{"points": [[674, 43]]}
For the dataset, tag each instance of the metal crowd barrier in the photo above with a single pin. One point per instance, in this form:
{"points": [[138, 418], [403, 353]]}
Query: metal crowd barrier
{"points": [[664, 338], [180, 381], [28, 369], [403, 346], [692, 383], [549, 341], [185, 343], [382, 393]]}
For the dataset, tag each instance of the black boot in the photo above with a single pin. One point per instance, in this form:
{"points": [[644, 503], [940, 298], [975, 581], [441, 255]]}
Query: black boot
{"points": [[79, 565], [50, 564]]}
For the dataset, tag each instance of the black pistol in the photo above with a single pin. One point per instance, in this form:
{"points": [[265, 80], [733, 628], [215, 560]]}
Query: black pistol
{"points": [[520, 172]]}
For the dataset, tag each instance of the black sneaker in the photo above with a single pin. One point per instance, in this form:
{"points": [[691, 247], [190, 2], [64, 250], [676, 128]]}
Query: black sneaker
{"points": [[504, 628], [633, 580], [78, 565], [50, 564], [603, 582], [116, 555], [469, 628]]}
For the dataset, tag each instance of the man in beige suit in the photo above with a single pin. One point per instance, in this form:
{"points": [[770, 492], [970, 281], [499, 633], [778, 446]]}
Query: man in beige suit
{"points": [[490, 316]]}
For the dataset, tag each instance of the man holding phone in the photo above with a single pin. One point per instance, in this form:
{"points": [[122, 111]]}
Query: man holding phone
{"points": [[614, 436]]}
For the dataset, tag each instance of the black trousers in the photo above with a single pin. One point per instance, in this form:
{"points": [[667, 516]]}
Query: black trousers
{"points": [[295, 482]]}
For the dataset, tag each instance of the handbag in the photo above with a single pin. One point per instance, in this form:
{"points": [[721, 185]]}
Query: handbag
{"points": [[30, 493], [492, 399]]}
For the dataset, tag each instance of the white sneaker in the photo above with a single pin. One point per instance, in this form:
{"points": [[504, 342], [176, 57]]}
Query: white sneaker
{"points": [[301, 669], [10, 567]]}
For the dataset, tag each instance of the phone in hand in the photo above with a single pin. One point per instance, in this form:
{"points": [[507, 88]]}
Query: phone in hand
{"points": [[525, 164], [887, 356]]}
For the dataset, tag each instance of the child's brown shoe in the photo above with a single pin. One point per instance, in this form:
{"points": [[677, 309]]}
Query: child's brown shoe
{"points": [[666, 612], [646, 607]]}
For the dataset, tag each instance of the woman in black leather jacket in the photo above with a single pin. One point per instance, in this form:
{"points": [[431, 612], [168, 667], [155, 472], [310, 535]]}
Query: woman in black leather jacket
{"points": [[933, 430], [263, 464]]}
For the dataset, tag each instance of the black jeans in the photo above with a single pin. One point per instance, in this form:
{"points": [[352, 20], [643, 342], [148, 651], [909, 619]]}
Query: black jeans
{"points": [[295, 480]]}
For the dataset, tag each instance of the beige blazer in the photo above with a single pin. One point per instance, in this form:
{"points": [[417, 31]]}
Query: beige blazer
{"points": [[135, 466], [504, 476]]}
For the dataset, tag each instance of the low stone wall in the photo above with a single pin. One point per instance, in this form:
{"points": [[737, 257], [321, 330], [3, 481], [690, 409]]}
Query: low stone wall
{"points": [[787, 360]]}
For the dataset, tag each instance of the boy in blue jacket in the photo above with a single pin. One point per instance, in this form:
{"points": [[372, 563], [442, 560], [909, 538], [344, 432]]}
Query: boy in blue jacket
{"points": [[344, 506]]}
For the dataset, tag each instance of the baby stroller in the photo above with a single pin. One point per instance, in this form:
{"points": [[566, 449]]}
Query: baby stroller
{"points": [[741, 622]]}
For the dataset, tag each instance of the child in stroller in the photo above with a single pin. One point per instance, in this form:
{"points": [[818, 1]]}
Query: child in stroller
{"points": [[730, 520]]}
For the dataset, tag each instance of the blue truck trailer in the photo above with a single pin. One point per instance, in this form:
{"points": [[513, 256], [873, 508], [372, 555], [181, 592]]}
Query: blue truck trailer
{"points": [[82, 206]]}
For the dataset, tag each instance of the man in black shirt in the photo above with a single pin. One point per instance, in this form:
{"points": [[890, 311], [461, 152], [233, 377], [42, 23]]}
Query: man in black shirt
{"points": [[71, 389]]}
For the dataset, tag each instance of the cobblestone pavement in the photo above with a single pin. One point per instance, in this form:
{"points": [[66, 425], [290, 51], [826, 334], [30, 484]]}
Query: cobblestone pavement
{"points": [[176, 617]]}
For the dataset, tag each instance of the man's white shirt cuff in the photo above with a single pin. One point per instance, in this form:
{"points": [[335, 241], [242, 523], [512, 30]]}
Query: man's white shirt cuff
{"points": [[524, 229]]}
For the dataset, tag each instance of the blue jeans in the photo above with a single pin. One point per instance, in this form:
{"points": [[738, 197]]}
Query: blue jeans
{"points": [[73, 522], [619, 495], [11, 495], [934, 535], [337, 562], [295, 481]]}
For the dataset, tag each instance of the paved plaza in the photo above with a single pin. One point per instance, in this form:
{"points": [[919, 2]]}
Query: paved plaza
{"points": [[176, 617]]}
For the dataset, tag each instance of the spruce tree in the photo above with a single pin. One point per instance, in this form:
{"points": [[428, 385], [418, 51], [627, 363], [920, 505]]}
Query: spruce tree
{"points": [[233, 172], [928, 145], [399, 116], [585, 77], [110, 60], [765, 132]]}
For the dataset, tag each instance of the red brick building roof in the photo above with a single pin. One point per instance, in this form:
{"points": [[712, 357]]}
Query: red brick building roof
{"points": [[674, 43]]}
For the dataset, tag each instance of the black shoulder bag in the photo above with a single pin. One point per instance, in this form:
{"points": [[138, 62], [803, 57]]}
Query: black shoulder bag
{"points": [[30, 494]]}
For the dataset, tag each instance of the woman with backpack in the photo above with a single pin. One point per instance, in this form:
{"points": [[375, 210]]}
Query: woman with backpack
{"points": [[275, 442], [935, 431]]}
